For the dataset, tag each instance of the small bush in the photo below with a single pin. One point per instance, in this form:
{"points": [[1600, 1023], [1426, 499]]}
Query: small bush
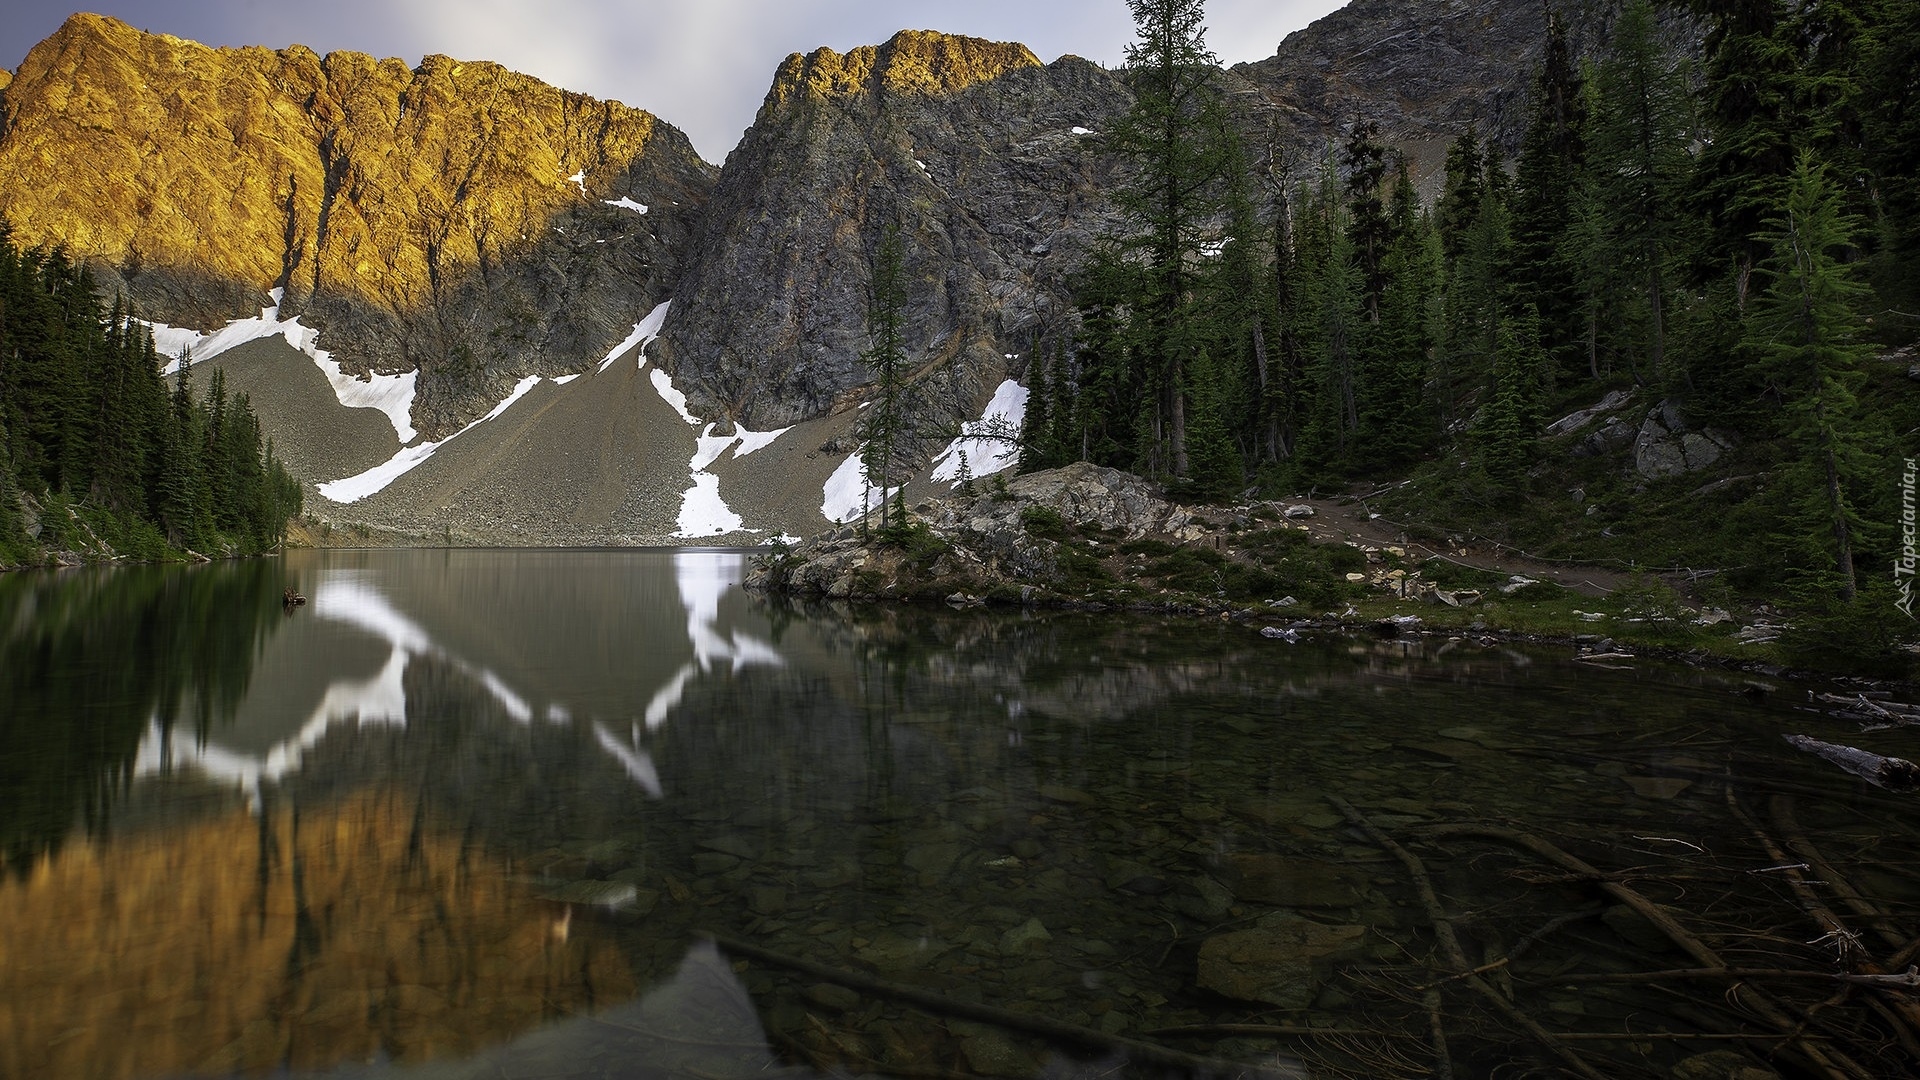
{"points": [[1044, 523], [913, 537]]}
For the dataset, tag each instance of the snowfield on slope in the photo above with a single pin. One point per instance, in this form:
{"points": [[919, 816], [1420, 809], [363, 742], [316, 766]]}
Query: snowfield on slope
{"points": [[392, 395]]}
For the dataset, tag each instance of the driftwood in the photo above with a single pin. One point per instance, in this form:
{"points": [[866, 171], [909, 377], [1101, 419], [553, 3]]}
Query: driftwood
{"points": [[1888, 713], [922, 998], [1892, 773]]}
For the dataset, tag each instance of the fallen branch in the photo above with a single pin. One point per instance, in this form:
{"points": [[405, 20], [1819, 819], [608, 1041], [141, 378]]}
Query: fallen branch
{"points": [[1007, 1018], [1907, 978], [1891, 773], [1455, 956], [1798, 842], [1834, 1065]]}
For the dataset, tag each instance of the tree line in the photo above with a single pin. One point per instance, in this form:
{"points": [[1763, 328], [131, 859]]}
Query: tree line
{"points": [[102, 447], [1735, 235]]}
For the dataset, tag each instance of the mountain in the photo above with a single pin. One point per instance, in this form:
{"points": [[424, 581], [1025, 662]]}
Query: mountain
{"points": [[981, 156], [460, 250], [421, 218], [1425, 71]]}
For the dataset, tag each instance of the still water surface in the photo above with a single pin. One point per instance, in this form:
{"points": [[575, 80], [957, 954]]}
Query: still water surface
{"points": [[485, 814]]}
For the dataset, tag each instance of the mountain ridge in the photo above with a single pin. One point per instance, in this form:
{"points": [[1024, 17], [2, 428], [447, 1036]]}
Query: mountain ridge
{"points": [[418, 215], [482, 228]]}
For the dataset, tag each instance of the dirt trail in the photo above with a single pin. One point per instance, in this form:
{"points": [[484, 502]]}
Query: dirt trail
{"points": [[1348, 518]]}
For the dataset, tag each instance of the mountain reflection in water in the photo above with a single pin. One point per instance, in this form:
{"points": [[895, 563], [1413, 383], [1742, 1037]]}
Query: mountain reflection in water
{"points": [[473, 814]]}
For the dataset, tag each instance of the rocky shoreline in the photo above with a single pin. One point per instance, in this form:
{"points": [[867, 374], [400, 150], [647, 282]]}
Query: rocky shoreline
{"points": [[1089, 538]]}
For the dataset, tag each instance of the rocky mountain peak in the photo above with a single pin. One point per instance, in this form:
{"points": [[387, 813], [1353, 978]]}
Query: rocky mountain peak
{"points": [[924, 62], [455, 218]]}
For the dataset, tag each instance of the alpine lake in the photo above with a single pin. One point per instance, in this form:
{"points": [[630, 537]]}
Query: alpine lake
{"points": [[541, 814]]}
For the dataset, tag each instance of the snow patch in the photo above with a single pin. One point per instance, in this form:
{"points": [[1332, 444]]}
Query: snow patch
{"points": [[991, 442], [392, 395], [643, 334], [354, 488], [1082, 131], [663, 384], [565, 379], [848, 495], [703, 512], [579, 179], [709, 447], [754, 440], [625, 203]]}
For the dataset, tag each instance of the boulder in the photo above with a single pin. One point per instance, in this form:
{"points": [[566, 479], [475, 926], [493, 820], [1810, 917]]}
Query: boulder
{"points": [[1281, 961], [1667, 446]]}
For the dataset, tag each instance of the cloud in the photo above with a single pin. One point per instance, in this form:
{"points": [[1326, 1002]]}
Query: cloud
{"points": [[701, 67]]}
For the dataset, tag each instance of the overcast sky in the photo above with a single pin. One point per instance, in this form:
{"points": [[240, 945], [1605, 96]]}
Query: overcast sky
{"points": [[701, 65]]}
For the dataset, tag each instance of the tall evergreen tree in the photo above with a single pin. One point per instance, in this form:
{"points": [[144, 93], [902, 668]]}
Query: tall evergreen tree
{"points": [[1396, 418], [1641, 166], [1460, 198], [1891, 135], [1474, 301], [1333, 325], [1748, 105], [1552, 158], [1182, 145], [1807, 335], [883, 426]]}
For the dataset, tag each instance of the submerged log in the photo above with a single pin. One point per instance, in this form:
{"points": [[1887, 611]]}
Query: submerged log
{"points": [[1892, 773]]}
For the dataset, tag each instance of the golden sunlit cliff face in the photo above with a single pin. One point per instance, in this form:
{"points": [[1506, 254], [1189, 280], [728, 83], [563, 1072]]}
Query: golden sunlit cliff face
{"points": [[248, 943], [209, 176], [911, 62]]}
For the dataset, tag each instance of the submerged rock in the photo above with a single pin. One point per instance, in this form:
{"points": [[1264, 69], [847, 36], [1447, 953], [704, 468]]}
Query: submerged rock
{"points": [[1029, 936], [1281, 961]]}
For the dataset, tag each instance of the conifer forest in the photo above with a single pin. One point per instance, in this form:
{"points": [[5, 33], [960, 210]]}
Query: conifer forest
{"points": [[1737, 235], [112, 452]]}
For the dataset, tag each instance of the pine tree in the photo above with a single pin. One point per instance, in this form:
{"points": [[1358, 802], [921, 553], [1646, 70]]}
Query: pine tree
{"points": [[1396, 417], [1183, 146], [1512, 417], [1552, 159], [1891, 136], [1038, 442], [1640, 150], [1332, 326], [1473, 304], [1460, 198], [1217, 468], [1364, 161], [1807, 335], [883, 426], [1748, 101]]}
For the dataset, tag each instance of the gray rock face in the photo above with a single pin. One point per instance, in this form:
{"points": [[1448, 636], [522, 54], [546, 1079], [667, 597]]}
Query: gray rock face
{"points": [[1667, 446], [1423, 71], [970, 147]]}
